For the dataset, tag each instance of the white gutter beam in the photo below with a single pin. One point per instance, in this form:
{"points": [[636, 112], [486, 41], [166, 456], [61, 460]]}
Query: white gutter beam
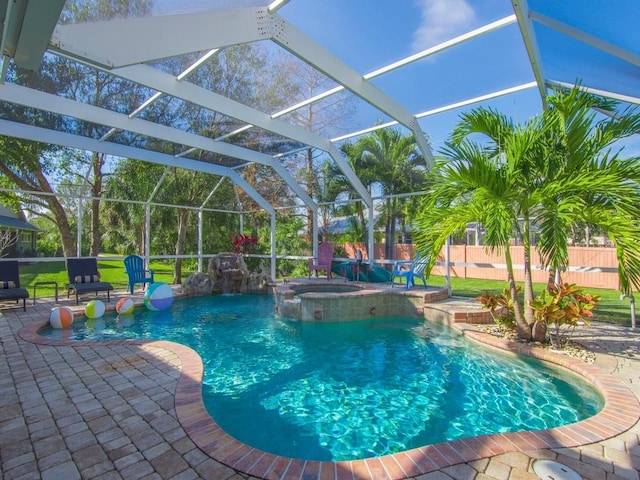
{"points": [[521, 9], [109, 43], [38, 134], [189, 92], [52, 103], [293, 40]]}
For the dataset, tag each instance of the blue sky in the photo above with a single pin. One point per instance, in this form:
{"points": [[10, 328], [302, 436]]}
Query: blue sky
{"points": [[368, 37], [369, 34]]}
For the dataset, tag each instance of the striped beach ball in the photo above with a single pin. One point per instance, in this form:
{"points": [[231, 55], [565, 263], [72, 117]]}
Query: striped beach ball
{"points": [[158, 296], [60, 317], [125, 306], [94, 309]]}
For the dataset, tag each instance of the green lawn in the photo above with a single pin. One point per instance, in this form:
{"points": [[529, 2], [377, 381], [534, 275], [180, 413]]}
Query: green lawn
{"points": [[111, 271], [610, 308]]}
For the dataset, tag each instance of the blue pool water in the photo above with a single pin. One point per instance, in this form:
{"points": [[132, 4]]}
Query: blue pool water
{"points": [[342, 391]]}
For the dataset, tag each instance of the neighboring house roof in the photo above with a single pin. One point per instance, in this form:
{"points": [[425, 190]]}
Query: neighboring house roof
{"points": [[338, 225], [16, 223], [342, 224], [9, 219]]}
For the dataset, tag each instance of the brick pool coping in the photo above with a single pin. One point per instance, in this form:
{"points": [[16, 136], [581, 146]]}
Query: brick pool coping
{"points": [[620, 412]]}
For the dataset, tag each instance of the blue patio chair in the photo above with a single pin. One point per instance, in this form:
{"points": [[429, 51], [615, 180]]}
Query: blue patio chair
{"points": [[134, 265], [410, 269], [10, 283]]}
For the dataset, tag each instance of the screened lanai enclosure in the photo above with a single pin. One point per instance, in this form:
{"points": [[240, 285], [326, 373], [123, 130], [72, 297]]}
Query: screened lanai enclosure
{"points": [[256, 103]]}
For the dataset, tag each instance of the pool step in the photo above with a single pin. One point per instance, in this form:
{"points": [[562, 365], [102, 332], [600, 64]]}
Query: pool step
{"points": [[457, 310]]}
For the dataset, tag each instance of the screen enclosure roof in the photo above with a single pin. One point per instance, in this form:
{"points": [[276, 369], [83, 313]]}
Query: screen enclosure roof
{"points": [[412, 65]]}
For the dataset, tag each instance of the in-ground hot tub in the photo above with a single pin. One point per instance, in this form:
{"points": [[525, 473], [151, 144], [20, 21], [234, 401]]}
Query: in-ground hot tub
{"points": [[340, 302]]}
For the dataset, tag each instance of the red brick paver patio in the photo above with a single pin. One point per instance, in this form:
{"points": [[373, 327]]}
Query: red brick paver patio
{"points": [[133, 410]]}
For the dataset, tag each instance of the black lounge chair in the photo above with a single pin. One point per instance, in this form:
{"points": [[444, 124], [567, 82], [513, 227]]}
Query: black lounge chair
{"points": [[10, 283], [84, 277]]}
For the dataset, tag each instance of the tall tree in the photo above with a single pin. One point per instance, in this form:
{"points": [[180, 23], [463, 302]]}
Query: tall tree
{"points": [[398, 167], [584, 148], [338, 186], [478, 183], [28, 166], [518, 147], [124, 222], [36, 167], [323, 117], [98, 88]]}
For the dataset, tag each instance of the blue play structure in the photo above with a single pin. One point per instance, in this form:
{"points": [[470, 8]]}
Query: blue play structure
{"points": [[368, 272]]}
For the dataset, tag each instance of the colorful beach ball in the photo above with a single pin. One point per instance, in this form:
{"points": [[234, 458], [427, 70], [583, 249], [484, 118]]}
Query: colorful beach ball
{"points": [[158, 296], [125, 306], [94, 309], [60, 317]]}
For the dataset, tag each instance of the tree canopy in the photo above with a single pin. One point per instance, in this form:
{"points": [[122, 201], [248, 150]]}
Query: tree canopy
{"points": [[557, 169]]}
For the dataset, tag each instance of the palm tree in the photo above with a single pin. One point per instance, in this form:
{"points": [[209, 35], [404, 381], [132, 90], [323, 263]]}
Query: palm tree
{"points": [[481, 183], [519, 147], [338, 183], [399, 167], [586, 180], [556, 170]]}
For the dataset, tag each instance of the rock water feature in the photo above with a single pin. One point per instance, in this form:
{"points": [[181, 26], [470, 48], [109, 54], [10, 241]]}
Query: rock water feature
{"points": [[227, 273]]}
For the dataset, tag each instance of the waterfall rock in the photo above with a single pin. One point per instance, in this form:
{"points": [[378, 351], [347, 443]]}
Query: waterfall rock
{"points": [[228, 273], [197, 284]]}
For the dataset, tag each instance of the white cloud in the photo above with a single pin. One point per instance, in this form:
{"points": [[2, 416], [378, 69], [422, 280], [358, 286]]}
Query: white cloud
{"points": [[441, 20]]}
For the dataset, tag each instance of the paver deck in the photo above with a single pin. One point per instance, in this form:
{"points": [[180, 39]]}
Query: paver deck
{"points": [[133, 410]]}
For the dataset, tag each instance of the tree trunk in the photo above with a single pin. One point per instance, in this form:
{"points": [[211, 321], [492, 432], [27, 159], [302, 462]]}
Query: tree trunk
{"points": [[60, 215], [539, 332], [551, 278], [97, 161], [392, 230], [389, 243], [56, 208], [528, 281], [183, 221], [522, 327]]}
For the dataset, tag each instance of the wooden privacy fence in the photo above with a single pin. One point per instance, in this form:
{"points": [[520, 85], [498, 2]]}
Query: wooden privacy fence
{"points": [[595, 267]]}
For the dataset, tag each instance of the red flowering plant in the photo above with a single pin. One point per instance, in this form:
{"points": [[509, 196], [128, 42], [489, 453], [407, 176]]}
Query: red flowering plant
{"points": [[242, 243]]}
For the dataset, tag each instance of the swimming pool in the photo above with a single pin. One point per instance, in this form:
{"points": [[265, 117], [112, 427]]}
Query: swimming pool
{"points": [[351, 390]]}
